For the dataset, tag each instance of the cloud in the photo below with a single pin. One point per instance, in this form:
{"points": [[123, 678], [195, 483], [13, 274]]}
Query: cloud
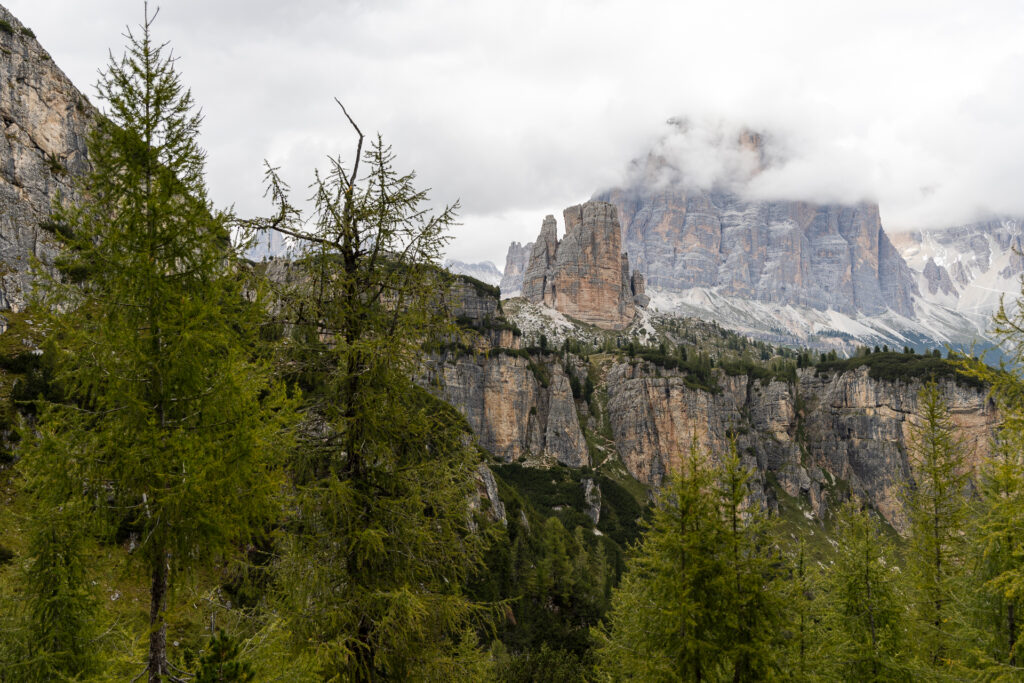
{"points": [[520, 109]]}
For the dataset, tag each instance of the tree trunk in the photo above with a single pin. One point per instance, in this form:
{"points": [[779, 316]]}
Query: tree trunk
{"points": [[157, 624], [1011, 624]]}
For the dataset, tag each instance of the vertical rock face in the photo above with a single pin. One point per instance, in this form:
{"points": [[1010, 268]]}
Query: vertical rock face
{"points": [[584, 275], [819, 256], [45, 121], [516, 260], [938, 279], [513, 413], [809, 435], [542, 259], [466, 301], [639, 289]]}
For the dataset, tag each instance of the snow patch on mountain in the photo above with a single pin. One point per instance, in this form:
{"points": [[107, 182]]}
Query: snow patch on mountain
{"points": [[933, 324]]}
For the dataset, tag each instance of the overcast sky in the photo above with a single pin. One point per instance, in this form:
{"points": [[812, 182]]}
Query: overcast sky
{"points": [[519, 109]]}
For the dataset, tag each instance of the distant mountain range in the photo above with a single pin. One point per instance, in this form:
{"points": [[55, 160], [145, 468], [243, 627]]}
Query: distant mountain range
{"points": [[804, 273], [484, 271]]}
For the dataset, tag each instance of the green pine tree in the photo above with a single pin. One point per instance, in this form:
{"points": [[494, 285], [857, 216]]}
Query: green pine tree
{"points": [[167, 428], [998, 548], [863, 620], [663, 622], [937, 511], [221, 664], [381, 542], [700, 597], [754, 613], [998, 557]]}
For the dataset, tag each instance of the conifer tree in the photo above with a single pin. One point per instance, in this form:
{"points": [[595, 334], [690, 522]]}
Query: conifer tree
{"points": [[863, 623], [999, 542], [754, 613], [998, 557], [800, 593], [381, 543], [937, 511], [664, 619], [699, 599], [167, 426]]}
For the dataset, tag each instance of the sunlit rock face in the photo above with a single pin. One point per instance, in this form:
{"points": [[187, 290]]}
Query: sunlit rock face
{"points": [[516, 415], [808, 435], [585, 274], [45, 121]]}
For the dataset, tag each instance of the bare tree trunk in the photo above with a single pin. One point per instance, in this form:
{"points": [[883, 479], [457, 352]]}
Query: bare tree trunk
{"points": [[157, 624]]}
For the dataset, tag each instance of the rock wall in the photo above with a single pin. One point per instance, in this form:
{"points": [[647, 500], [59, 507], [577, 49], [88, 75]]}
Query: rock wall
{"points": [[542, 261], [812, 437], [516, 260], [466, 301], [785, 252], [45, 121], [585, 275], [520, 409], [819, 438]]}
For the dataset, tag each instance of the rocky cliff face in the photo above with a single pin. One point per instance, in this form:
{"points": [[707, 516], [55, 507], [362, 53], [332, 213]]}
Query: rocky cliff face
{"points": [[817, 437], [45, 122], [520, 409], [516, 261], [783, 252], [823, 432], [585, 275]]}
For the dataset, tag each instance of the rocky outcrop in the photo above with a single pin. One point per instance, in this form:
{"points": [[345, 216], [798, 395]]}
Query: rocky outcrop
{"points": [[592, 500], [938, 279], [516, 260], [585, 275], [519, 408], [542, 260], [465, 300], [487, 490], [639, 289], [45, 121], [823, 434]]}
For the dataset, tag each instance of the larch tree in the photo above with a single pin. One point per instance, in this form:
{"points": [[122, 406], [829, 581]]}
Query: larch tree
{"points": [[755, 614], [997, 562], [998, 529], [169, 424], [937, 509], [863, 622], [381, 544], [699, 598], [664, 617]]}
